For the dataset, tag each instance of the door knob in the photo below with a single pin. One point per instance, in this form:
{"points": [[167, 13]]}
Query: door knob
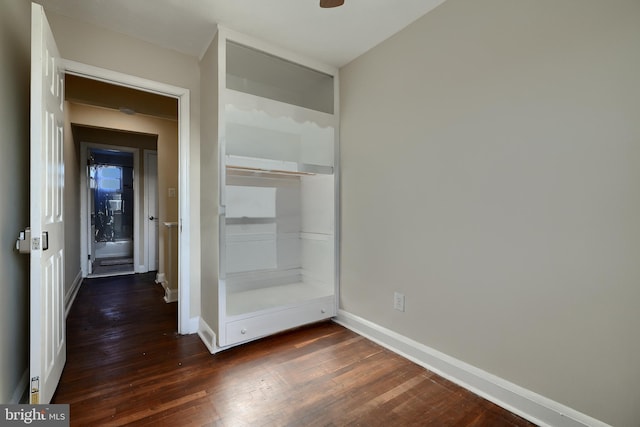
{"points": [[152, 218]]}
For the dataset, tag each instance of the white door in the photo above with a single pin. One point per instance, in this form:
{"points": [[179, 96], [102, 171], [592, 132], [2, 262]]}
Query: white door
{"points": [[151, 204], [47, 330]]}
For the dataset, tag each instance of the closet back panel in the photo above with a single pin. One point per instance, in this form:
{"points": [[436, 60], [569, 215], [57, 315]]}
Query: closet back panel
{"points": [[259, 73]]}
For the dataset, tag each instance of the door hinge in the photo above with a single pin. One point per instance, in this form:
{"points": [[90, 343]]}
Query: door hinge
{"points": [[34, 397], [89, 257]]}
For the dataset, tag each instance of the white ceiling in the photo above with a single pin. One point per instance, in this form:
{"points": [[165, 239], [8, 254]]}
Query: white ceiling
{"points": [[333, 36]]}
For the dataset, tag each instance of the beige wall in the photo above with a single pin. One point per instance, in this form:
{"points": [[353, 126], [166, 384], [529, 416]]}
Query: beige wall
{"points": [[490, 172], [72, 268], [88, 44], [209, 195], [167, 146], [15, 25]]}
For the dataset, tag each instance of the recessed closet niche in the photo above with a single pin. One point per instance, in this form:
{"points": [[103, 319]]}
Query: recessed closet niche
{"points": [[277, 143]]}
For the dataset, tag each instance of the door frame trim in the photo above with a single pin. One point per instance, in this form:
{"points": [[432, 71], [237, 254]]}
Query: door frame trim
{"points": [[185, 324]]}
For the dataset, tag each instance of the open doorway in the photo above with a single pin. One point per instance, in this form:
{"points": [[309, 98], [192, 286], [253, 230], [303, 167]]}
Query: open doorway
{"points": [[179, 190], [127, 154], [114, 195], [111, 206]]}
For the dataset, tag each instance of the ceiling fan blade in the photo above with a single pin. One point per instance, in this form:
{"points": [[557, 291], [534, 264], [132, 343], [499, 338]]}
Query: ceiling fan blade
{"points": [[331, 3]]}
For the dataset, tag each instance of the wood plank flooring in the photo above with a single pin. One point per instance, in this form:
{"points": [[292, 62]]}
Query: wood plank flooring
{"points": [[126, 365]]}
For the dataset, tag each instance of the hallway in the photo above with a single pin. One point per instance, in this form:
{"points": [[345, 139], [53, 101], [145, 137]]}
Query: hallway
{"points": [[126, 365]]}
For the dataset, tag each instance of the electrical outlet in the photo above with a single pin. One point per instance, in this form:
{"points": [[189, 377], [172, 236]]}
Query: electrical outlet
{"points": [[398, 301]]}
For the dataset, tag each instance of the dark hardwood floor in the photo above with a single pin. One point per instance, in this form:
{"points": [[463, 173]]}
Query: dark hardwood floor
{"points": [[126, 365]]}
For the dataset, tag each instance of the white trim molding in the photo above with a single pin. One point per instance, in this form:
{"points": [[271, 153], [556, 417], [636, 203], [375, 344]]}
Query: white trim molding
{"points": [[70, 297], [160, 278], [192, 325], [170, 294], [523, 402], [207, 336]]}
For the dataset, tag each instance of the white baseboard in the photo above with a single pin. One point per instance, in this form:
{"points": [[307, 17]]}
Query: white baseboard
{"points": [[191, 327], [170, 295], [523, 402], [73, 292], [22, 387], [207, 336], [160, 279]]}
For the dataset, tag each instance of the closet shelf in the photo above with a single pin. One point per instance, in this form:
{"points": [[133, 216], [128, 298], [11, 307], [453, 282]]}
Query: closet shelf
{"points": [[257, 165], [267, 171]]}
